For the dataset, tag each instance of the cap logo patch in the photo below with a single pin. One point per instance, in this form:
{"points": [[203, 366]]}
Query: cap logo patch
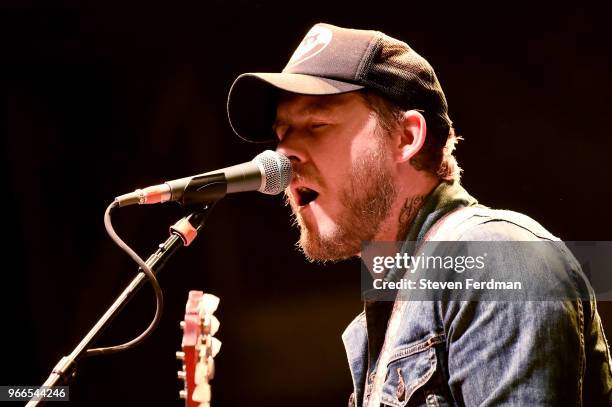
{"points": [[314, 42]]}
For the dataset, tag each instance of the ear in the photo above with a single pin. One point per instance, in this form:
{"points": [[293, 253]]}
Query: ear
{"points": [[412, 133]]}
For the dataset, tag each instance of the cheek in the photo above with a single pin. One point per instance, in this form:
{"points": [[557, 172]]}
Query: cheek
{"points": [[366, 140], [333, 162], [337, 153]]}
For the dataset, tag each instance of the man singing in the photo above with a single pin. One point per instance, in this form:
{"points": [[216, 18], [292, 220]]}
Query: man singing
{"points": [[365, 123]]}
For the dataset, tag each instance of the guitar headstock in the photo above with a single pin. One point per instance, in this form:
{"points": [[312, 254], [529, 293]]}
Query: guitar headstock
{"points": [[199, 347]]}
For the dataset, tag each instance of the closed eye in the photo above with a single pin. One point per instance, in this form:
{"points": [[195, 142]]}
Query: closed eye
{"points": [[318, 125]]}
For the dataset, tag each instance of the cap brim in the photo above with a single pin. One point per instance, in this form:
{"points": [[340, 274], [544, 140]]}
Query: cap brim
{"points": [[252, 99]]}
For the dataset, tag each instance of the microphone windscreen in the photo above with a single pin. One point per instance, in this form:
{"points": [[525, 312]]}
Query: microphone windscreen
{"points": [[277, 171]]}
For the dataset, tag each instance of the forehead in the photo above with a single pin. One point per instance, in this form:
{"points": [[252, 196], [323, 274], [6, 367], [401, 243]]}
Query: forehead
{"points": [[291, 104]]}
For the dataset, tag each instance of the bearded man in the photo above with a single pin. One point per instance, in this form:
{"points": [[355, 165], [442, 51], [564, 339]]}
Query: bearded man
{"points": [[365, 123]]}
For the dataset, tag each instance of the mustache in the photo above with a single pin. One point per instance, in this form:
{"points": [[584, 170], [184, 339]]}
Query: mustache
{"points": [[307, 174]]}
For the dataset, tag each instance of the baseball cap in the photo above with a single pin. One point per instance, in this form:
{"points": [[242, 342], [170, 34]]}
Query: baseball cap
{"points": [[332, 60]]}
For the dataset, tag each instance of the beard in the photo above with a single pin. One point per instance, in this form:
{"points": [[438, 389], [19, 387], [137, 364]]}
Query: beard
{"points": [[366, 197]]}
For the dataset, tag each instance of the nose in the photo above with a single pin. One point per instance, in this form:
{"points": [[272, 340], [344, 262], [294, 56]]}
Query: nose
{"points": [[292, 147]]}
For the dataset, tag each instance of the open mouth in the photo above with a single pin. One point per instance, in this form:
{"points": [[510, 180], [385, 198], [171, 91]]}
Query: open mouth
{"points": [[305, 196]]}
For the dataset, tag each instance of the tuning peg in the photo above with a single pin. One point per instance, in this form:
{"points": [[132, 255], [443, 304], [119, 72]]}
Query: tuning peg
{"points": [[182, 324], [180, 355], [208, 304], [214, 325], [182, 394], [201, 373], [216, 346], [201, 393], [211, 368], [181, 374]]}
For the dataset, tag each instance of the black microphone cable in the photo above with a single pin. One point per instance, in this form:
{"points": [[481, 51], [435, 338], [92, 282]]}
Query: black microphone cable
{"points": [[159, 297]]}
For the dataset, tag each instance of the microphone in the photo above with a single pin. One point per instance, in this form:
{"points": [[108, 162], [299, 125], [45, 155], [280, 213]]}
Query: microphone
{"points": [[269, 172]]}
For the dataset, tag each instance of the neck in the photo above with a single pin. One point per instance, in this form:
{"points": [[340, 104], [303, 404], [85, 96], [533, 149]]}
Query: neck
{"points": [[410, 199]]}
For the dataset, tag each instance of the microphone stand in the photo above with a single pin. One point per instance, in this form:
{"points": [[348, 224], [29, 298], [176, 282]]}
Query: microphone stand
{"points": [[181, 234]]}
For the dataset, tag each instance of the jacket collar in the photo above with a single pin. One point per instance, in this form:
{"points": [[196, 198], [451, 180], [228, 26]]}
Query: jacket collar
{"points": [[364, 337]]}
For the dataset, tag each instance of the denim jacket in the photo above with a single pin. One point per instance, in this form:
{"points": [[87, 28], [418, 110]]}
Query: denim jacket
{"points": [[479, 353]]}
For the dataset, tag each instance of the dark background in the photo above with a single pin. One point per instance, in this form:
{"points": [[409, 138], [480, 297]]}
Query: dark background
{"points": [[100, 97]]}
